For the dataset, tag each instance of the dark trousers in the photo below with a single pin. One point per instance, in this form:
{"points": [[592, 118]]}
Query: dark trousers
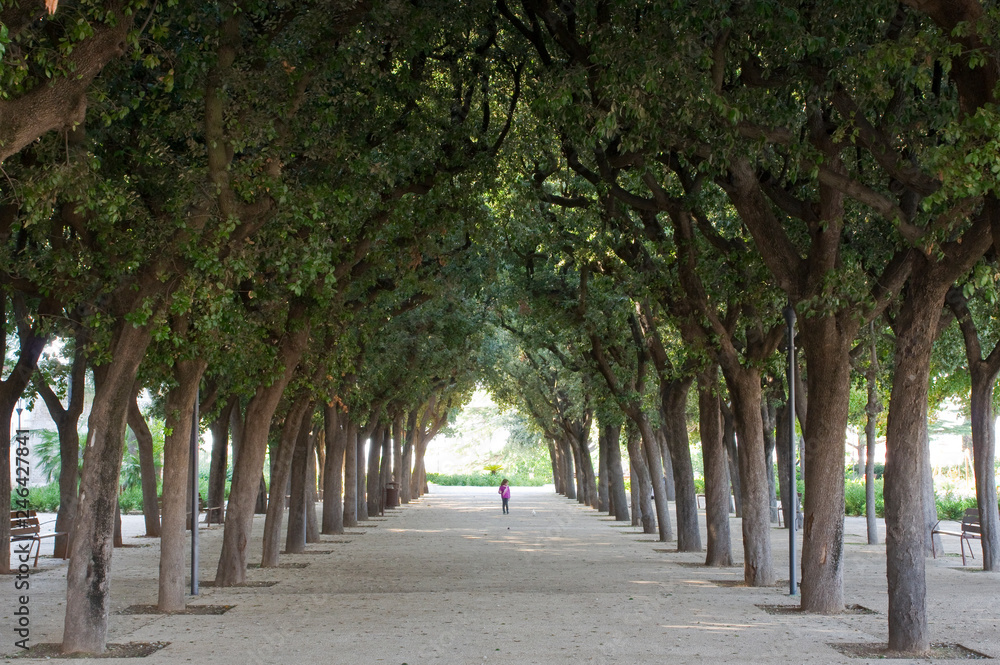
{"points": [[506, 508]]}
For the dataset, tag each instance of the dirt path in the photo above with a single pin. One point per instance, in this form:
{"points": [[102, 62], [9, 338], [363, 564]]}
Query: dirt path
{"points": [[449, 579]]}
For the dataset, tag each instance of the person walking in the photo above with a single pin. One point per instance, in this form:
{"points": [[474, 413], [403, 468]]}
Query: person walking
{"points": [[504, 493]]}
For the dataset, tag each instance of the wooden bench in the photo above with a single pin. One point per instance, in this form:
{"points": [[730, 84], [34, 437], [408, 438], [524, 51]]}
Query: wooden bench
{"points": [[971, 530], [24, 526]]}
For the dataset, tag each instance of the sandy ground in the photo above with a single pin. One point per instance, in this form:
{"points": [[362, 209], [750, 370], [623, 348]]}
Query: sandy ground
{"points": [[449, 579]]}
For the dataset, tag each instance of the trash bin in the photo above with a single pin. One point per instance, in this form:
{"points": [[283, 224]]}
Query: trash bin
{"points": [[391, 495]]}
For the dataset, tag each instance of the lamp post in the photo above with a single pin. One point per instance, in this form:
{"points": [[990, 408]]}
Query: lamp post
{"points": [[793, 501]]}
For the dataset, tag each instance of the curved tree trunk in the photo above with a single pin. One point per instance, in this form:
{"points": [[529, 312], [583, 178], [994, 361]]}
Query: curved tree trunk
{"points": [[674, 406], [744, 387], [616, 479], [176, 459], [247, 470], [295, 535], [716, 480], [281, 471], [983, 372], [147, 465], [88, 578], [217, 471], [640, 478], [67, 422], [652, 451], [11, 389]]}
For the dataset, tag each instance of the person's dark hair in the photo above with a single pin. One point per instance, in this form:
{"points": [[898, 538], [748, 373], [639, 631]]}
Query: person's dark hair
{"points": [[504, 482]]}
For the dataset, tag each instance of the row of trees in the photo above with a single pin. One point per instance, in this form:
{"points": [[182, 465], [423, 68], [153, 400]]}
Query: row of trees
{"points": [[594, 207]]}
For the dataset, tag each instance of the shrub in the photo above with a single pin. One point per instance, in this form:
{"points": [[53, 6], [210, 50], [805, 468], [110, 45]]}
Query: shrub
{"points": [[130, 499], [486, 480], [44, 498], [951, 507], [854, 498]]}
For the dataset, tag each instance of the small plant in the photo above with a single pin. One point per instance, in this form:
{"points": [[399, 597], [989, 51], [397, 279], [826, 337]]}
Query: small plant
{"points": [[494, 469]]}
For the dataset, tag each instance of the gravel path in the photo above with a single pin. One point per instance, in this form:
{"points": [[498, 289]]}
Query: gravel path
{"points": [[449, 579]]}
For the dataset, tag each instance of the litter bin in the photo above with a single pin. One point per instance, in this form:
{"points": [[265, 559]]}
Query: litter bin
{"points": [[391, 495]]}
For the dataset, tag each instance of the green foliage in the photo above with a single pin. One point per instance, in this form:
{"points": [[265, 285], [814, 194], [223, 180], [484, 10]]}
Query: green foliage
{"points": [[487, 480], [130, 499], [46, 448], [44, 498], [855, 501]]}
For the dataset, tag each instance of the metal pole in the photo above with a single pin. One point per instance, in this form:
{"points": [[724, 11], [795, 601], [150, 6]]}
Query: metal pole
{"points": [[793, 489], [193, 480]]}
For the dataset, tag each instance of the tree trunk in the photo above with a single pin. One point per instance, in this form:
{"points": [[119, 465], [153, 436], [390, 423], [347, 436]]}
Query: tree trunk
{"points": [[983, 372], [363, 437], [147, 464], [350, 473], [88, 578], [640, 478], [932, 540], [659, 487], [716, 481], [568, 467], [732, 458], [217, 470], [983, 460], [67, 421], [744, 388], [905, 461], [872, 409], [673, 396], [554, 459], [405, 482], [373, 478], [11, 389], [176, 458], [616, 480], [385, 467], [312, 524], [827, 343], [578, 474], [397, 452], [602, 471], [247, 470], [668, 466], [785, 455], [281, 471], [334, 505], [295, 538], [636, 512], [768, 416]]}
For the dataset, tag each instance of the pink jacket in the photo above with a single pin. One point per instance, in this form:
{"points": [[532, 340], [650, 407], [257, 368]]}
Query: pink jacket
{"points": [[504, 491]]}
